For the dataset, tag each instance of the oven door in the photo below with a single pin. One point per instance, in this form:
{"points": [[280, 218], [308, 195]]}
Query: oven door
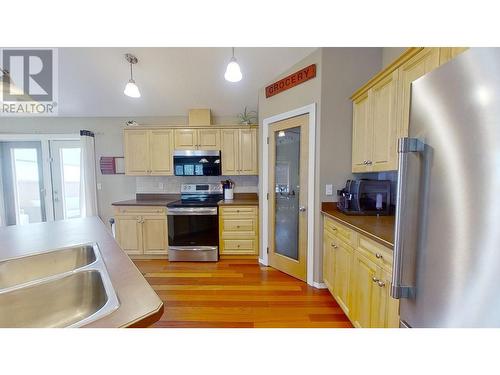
{"points": [[197, 163], [193, 234]]}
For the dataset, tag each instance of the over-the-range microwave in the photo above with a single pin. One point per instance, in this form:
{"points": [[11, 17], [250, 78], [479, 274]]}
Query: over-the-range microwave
{"points": [[197, 163]]}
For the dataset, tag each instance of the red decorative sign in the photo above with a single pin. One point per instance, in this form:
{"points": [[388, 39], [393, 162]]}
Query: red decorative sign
{"points": [[292, 80]]}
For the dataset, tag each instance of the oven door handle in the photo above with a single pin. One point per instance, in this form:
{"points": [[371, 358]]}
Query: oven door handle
{"points": [[191, 211]]}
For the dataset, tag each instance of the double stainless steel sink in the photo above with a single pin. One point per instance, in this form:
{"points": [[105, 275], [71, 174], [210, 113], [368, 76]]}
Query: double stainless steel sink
{"points": [[68, 287]]}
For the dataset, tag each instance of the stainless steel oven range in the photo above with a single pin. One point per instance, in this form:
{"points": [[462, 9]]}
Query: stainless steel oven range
{"points": [[193, 224]]}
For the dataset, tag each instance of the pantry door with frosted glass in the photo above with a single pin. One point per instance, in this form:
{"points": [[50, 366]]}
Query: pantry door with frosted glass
{"points": [[288, 161]]}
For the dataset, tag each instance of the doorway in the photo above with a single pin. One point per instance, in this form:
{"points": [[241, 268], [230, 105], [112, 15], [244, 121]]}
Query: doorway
{"points": [[288, 187], [40, 180]]}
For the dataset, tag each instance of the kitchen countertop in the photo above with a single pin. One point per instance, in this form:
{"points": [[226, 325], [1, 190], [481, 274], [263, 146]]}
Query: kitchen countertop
{"points": [[378, 228], [241, 199], [149, 200], [140, 306]]}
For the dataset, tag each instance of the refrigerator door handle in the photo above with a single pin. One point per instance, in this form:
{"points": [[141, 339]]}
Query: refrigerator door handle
{"points": [[405, 146]]}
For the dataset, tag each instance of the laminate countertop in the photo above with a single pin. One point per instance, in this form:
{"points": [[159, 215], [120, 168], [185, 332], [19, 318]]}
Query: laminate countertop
{"points": [[139, 306], [378, 228], [149, 200], [241, 199]]}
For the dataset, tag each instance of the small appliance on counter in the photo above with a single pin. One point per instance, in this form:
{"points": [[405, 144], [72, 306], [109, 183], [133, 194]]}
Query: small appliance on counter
{"points": [[365, 197], [228, 188]]}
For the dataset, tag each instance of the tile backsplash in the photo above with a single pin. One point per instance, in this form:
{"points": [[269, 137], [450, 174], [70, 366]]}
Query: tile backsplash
{"points": [[172, 184]]}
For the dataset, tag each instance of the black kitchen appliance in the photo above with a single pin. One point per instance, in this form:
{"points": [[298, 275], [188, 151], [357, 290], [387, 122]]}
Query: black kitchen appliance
{"points": [[197, 163], [365, 197], [193, 224]]}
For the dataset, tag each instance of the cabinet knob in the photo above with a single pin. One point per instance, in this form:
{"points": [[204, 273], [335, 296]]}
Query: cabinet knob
{"points": [[375, 280], [381, 284], [368, 162], [378, 256], [334, 229], [334, 246]]}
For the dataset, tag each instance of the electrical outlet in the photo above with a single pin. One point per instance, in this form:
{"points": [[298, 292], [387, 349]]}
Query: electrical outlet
{"points": [[160, 185], [329, 189]]}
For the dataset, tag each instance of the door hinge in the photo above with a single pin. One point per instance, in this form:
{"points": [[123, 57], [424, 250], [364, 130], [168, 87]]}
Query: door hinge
{"points": [[267, 196], [267, 250], [267, 140], [51, 159]]}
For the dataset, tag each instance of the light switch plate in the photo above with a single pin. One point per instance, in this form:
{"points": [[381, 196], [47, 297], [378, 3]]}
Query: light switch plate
{"points": [[99, 186], [329, 189]]}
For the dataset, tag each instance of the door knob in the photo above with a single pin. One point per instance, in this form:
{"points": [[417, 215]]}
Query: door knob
{"points": [[302, 209]]}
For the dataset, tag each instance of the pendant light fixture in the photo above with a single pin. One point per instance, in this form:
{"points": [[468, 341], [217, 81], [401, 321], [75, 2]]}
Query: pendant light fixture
{"points": [[233, 71], [131, 89]]}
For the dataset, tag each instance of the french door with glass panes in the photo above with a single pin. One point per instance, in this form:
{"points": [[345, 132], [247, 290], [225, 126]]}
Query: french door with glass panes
{"points": [[39, 181], [288, 160]]}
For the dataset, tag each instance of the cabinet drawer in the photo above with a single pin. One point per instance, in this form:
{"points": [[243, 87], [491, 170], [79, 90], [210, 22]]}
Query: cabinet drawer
{"points": [[381, 255], [340, 231], [138, 210], [238, 225], [239, 247], [238, 210]]}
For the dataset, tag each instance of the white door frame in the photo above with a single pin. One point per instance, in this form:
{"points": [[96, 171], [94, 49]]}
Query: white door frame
{"points": [[264, 180]]}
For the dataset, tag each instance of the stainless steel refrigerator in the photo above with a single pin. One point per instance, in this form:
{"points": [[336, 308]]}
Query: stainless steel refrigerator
{"points": [[447, 250]]}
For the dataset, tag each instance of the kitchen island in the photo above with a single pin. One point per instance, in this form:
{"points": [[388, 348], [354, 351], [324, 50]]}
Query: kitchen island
{"points": [[139, 305]]}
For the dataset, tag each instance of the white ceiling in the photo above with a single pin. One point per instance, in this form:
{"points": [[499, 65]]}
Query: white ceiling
{"points": [[171, 80]]}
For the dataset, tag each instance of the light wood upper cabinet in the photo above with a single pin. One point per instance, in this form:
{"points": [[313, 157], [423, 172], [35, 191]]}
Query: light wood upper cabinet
{"points": [[416, 67], [239, 152], [186, 139], [160, 150], [209, 139], [361, 134], [381, 108], [230, 151], [248, 152], [384, 97], [148, 152], [136, 151], [197, 139]]}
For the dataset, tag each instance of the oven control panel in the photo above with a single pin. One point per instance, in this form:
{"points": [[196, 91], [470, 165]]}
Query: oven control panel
{"points": [[201, 189]]}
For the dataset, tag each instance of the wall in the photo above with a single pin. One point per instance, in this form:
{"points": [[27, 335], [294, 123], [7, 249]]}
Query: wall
{"points": [[172, 185], [389, 54], [108, 142], [340, 71]]}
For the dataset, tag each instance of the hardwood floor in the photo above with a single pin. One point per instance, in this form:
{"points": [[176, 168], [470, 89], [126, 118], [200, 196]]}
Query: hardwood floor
{"points": [[237, 293]]}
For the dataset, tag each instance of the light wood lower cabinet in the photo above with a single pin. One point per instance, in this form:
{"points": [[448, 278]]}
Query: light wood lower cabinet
{"points": [[357, 271], [141, 230], [238, 230]]}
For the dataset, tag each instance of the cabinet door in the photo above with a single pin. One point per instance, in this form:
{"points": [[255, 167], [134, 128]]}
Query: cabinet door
{"points": [[388, 316], [248, 152], [186, 139], [419, 65], [230, 151], [366, 292], [154, 233], [384, 112], [361, 134], [136, 151], [160, 152], [128, 231], [328, 260], [341, 274], [209, 139]]}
